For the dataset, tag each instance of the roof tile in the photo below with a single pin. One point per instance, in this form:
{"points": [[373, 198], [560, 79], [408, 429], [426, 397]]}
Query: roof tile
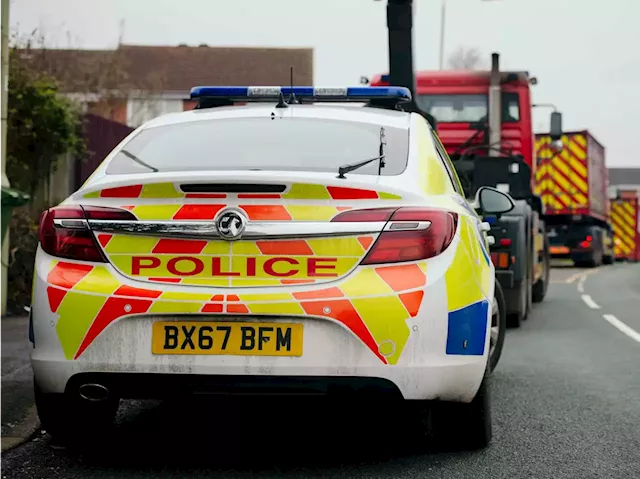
{"points": [[171, 68]]}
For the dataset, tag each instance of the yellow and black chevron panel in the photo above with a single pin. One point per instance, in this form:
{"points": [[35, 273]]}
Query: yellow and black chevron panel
{"points": [[624, 219], [561, 178]]}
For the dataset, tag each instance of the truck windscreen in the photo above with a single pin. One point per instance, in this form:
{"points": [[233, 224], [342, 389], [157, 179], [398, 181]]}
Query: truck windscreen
{"points": [[467, 108]]}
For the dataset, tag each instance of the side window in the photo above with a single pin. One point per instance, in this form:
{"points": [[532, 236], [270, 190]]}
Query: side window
{"points": [[510, 108], [444, 157]]}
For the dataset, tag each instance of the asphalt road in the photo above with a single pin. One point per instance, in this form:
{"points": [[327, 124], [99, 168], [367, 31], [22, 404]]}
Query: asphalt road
{"points": [[566, 404]]}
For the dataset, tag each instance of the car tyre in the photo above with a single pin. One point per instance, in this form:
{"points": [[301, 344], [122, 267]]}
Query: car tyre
{"points": [[463, 426], [498, 326], [72, 421]]}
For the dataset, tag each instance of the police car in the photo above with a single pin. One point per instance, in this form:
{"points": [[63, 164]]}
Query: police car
{"points": [[287, 244]]}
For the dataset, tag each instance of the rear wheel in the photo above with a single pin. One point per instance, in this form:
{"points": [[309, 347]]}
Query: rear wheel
{"points": [[74, 421], [498, 326], [463, 426], [609, 259]]}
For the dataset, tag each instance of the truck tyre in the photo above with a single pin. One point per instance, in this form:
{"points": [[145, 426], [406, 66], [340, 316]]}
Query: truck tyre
{"points": [[529, 292], [541, 286], [74, 421], [608, 259], [498, 326], [463, 426], [516, 317]]}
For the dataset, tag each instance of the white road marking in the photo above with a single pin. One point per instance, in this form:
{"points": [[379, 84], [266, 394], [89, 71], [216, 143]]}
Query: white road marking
{"points": [[573, 277], [590, 302], [581, 284], [616, 323]]}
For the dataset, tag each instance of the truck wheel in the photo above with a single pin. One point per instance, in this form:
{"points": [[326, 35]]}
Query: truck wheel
{"points": [[529, 303], [463, 426], [541, 286], [498, 326], [516, 317], [609, 259]]}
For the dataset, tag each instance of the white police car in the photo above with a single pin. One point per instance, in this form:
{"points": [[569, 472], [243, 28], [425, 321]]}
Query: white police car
{"points": [[284, 244]]}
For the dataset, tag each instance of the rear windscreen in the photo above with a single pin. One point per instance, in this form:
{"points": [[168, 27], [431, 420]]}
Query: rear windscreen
{"points": [[289, 144]]}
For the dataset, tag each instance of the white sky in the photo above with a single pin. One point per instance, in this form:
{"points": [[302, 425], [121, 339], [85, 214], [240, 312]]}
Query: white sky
{"points": [[585, 53]]}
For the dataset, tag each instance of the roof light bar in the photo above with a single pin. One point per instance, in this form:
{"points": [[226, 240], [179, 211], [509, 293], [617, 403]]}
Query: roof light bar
{"points": [[248, 93]]}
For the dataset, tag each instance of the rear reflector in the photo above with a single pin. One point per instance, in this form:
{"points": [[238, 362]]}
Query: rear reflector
{"points": [[74, 240], [406, 243]]}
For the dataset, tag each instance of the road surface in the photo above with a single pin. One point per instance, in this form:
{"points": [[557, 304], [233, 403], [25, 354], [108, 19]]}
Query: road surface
{"points": [[566, 402]]}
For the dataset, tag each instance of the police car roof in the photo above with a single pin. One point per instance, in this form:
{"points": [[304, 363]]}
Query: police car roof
{"points": [[327, 111]]}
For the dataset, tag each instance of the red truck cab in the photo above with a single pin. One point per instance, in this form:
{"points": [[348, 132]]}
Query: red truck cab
{"points": [[459, 102], [465, 106]]}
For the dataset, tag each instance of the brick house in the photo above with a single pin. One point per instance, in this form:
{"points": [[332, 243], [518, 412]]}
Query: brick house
{"points": [[133, 84]]}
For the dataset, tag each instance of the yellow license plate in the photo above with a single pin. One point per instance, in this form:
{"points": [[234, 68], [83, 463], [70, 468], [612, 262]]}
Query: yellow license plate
{"points": [[227, 338], [558, 249]]}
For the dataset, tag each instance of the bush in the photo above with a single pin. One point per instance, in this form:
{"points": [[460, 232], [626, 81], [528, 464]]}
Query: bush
{"points": [[42, 125], [24, 242]]}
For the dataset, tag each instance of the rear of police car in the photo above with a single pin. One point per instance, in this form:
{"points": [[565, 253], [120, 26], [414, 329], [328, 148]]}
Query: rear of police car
{"points": [[259, 248]]}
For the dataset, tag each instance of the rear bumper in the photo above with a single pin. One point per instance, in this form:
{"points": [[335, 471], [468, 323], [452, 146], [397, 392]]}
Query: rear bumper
{"points": [[452, 380], [443, 350], [169, 386], [574, 255]]}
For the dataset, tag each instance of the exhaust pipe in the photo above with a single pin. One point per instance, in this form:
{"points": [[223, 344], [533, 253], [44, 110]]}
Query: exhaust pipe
{"points": [[93, 392]]}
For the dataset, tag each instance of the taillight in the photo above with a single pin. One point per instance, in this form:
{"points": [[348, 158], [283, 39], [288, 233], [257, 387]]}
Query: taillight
{"points": [[586, 243], [365, 215], [410, 234], [64, 231], [500, 260], [505, 242]]}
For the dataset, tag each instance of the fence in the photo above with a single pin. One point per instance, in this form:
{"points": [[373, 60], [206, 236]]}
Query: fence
{"points": [[101, 136]]}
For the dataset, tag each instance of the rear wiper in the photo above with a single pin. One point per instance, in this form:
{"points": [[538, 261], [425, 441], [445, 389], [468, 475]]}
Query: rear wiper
{"points": [[354, 166], [130, 155]]}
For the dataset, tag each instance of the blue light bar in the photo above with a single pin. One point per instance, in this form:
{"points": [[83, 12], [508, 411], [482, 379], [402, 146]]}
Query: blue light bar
{"points": [[248, 93]]}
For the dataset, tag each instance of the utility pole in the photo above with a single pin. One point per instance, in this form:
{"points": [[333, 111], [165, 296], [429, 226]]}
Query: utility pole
{"points": [[443, 8], [400, 25], [442, 25], [3, 151]]}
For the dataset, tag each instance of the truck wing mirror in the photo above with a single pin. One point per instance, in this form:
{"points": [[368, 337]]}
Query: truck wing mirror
{"points": [[555, 126]]}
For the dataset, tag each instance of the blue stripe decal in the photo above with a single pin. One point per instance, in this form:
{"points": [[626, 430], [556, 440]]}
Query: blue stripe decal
{"points": [[467, 330]]}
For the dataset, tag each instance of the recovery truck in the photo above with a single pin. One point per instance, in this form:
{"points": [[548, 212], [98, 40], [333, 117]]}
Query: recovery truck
{"points": [[484, 119], [625, 217], [573, 185]]}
